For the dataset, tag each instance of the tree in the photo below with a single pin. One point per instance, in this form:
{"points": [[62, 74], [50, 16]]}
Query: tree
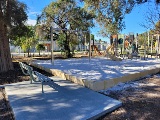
{"points": [[24, 37], [41, 33], [40, 47], [152, 20], [12, 13], [110, 13], [157, 26], [68, 17]]}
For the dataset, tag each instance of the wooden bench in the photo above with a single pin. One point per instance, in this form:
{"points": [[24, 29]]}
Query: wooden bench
{"points": [[34, 75]]}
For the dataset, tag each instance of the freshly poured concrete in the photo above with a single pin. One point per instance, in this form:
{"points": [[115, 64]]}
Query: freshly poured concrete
{"points": [[99, 73], [62, 100]]}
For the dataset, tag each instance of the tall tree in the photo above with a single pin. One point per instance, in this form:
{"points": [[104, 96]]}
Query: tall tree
{"points": [[110, 13], [152, 19], [68, 17], [12, 13]]}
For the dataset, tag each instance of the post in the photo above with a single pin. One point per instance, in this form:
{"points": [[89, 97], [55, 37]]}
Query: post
{"points": [[158, 44], [136, 40], [145, 46], [85, 43], [52, 56], [89, 47], [152, 43], [148, 40]]}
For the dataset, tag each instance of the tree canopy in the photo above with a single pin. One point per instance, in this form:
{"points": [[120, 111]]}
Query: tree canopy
{"points": [[110, 13], [67, 16]]}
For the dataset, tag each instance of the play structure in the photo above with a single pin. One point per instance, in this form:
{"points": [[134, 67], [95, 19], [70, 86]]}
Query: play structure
{"points": [[123, 46], [110, 53], [95, 48], [129, 47]]}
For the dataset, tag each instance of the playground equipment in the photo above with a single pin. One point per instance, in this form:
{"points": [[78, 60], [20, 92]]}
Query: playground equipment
{"points": [[110, 53], [134, 46], [96, 49]]}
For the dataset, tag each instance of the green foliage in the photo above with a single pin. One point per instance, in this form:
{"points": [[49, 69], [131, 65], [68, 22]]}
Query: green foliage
{"points": [[40, 47], [13, 12], [110, 13], [157, 26], [141, 39], [13, 17], [87, 37], [25, 37], [61, 41], [66, 14], [26, 44], [40, 32], [92, 37], [20, 34], [73, 42]]}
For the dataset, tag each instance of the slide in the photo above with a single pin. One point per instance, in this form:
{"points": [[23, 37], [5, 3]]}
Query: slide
{"points": [[96, 49], [111, 55]]}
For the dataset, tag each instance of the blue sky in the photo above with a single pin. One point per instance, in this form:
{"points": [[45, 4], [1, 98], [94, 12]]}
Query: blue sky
{"points": [[132, 20]]}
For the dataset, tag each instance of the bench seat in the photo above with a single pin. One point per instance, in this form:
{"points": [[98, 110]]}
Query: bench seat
{"points": [[34, 75]]}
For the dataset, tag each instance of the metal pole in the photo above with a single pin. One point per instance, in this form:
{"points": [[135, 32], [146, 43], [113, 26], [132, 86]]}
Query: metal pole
{"points": [[136, 40], [52, 56], [151, 43], [148, 40], [145, 46], [85, 43], [90, 47], [158, 43], [156, 46]]}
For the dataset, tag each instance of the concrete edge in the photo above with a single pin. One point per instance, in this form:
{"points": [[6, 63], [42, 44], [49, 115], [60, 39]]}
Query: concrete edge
{"points": [[105, 112]]}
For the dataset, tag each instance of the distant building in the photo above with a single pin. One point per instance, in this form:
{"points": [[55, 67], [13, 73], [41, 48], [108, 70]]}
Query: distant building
{"points": [[101, 45], [47, 44]]}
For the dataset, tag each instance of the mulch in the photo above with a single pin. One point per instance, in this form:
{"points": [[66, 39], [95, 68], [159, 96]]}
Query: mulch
{"points": [[142, 103]]}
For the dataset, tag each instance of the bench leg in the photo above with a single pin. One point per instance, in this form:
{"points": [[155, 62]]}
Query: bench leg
{"points": [[42, 88], [31, 80]]}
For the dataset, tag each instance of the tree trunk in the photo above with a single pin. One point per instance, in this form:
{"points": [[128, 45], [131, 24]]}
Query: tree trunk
{"points": [[5, 55], [67, 48], [28, 52]]}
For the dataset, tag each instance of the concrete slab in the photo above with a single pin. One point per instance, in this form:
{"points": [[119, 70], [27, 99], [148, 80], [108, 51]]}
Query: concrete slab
{"points": [[81, 72], [61, 100]]}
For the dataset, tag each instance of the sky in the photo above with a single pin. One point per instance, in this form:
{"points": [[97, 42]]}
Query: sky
{"points": [[132, 20]]}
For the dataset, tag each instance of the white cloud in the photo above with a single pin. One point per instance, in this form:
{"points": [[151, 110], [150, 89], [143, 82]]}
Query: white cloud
{"points": [[31, 22], [33, 13]]}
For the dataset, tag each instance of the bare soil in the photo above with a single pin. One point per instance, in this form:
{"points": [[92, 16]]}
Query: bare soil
{"points": [[142, 103]]}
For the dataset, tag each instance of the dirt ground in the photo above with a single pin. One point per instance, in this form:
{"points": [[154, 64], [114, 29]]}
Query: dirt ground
{"points": [[142, 103]]}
